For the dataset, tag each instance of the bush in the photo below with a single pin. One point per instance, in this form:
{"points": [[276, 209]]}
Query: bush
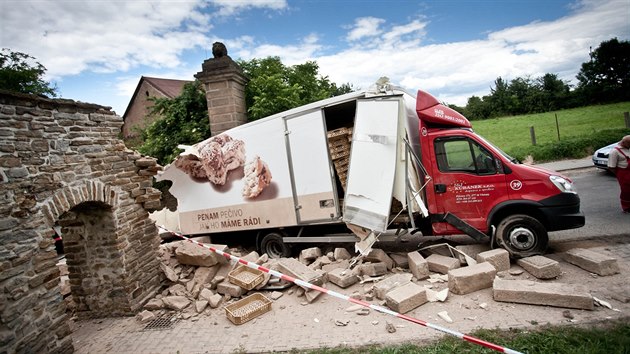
{"points": [[570, 148]]}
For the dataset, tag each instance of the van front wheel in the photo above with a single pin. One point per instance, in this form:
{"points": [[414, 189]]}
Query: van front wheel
{"points": [[522, 236]]}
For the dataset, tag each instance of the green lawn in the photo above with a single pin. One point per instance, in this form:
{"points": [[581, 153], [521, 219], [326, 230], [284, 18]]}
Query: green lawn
{"points": [[510, 133]]}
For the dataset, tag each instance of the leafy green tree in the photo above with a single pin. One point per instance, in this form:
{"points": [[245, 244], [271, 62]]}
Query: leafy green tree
{"points": [[500, 99], [180, 120], [554, 93], [477, 108], [274, 87], [19, 73], [606, 77]]}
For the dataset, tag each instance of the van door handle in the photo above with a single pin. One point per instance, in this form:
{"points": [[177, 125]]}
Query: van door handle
{"points": [[440, 188]]}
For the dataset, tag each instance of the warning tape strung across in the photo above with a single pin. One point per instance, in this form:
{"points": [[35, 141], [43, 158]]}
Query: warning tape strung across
{"points": [[347, 298]]}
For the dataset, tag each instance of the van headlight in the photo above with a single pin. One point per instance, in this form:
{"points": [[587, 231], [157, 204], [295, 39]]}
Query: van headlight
{"points": [[563, 184]]}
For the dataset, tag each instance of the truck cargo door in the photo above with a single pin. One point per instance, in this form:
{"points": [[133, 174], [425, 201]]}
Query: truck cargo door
{"points": [[372, 164], [311, 174]]}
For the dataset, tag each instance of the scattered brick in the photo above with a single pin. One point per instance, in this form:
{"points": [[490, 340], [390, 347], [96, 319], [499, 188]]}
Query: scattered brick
{"points": [[406, 298], [388, 284], [442, 264], [536, 293], [499, 258], [541, 267], [469, 279], [418, 266], [592, 261]]}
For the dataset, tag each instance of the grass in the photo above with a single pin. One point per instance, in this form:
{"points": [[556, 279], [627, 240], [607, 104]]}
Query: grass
{"points": [[607, 337], [512, 134]]}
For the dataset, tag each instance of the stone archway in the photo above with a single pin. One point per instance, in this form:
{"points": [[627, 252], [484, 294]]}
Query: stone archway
{"points": [[62, 161]]}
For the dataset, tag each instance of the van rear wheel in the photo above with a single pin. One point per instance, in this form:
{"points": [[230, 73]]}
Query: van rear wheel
{"points": [[522, 236], [273, 245]]}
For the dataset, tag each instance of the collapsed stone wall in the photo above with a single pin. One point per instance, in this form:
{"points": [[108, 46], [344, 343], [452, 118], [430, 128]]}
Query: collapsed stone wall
{"points": [[62, 163]]}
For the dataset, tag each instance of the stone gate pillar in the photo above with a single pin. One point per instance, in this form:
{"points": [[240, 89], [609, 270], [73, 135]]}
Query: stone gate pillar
{"points": [[224, 83]]}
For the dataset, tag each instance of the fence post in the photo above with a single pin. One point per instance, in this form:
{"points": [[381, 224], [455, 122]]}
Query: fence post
{"points": [[626, 117], [533, 134], [557, 127]]}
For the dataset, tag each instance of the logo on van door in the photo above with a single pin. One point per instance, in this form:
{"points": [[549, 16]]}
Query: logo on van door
{"points": [[516, 185]]}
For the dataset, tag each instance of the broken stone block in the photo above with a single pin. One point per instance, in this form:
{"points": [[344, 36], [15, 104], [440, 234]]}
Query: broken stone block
{"points": [[145, 316], [176, 303], [154, 304], [343, 278], [169, 272], [341, 254], [276, 295], [471, 250], [378, 255], [536, 293], [373, 269], [203, 275], [205, 294], [442, 264], [177, 290], [227, 288], [418, 266], [191, 254], [499, 258], [406, 298], [215, 300], [541, 267], [592, 261], [469, 279], [309, 255], [200, 305], [400, 260], [388, 284], [344, 264], [295, 269]]}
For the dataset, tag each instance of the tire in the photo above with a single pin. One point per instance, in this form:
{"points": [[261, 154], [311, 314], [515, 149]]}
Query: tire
{"points": [[522, 236], [273, 245]]}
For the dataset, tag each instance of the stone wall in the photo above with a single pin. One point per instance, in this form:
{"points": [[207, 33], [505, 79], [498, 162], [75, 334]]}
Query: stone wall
{"points": [[62, 162]]}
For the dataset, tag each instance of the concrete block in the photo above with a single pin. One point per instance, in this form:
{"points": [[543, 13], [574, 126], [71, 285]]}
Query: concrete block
{"points": [[536, 293], [406, 298], [390, 283], [373, 269], [295, 269], [191, 254], [499, 258], [469, 279], [342, 277], [418, 266], [344, 264], [309, 255], [400, 260], [341, 254], [471, 250], [378, 255], [227, 288], [442, 264], [540, 267], [203, 275], [592, 261]]}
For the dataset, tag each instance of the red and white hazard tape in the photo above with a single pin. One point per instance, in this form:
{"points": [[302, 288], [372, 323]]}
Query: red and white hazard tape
{"points": [[347, 298]]}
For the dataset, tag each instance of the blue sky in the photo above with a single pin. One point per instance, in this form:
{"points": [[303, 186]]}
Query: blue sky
{"points": [[96, 51]]}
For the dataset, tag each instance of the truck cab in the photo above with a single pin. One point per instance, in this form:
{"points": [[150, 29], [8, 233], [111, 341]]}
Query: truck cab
{"points": [[476, 186]]}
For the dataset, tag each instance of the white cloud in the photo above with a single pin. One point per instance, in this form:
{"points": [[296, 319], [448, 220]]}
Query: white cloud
{"points": [[365, 27], [229, 7]]}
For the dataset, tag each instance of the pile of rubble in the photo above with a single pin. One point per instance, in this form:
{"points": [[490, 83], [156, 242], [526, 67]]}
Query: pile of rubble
{"points": [[198, 280]]}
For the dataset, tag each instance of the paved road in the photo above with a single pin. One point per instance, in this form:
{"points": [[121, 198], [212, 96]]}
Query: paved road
{"points": [[599, 195]]}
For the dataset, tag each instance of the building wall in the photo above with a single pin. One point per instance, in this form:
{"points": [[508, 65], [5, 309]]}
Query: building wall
{"points": [[61, 162], [139, 109]]}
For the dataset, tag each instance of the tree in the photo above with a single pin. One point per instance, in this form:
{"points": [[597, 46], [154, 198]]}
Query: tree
{"points": [[606, 77], [180, 120], [274, 87], [18, 73]]}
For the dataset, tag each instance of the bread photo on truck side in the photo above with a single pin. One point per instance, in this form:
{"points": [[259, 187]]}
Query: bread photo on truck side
{"points": [[368, 161]]}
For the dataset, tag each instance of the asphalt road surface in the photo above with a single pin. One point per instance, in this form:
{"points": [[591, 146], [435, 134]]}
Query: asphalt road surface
{"points": [[599, 196]]}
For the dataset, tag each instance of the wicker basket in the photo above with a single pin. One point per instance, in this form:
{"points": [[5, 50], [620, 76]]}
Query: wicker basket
{"points": [[245, 277], [248, 308]]}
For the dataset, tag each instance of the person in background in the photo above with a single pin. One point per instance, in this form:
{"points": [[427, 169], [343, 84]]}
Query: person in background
{"points": [[619, 164]]}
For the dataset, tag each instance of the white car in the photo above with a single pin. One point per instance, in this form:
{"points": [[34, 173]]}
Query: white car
{"points": [[600, 157]]}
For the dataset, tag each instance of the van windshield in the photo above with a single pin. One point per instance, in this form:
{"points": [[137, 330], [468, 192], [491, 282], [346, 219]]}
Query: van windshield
{"points": [[508, 157]]}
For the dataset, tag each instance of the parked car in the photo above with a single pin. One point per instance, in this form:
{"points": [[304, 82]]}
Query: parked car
{"points": [[600, 157]]}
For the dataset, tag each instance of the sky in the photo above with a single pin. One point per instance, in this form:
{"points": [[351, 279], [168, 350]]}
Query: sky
{"points": [[96, 50]]}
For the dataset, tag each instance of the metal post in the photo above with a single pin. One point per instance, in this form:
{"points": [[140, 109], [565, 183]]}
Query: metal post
{"points": [[533, 134]]}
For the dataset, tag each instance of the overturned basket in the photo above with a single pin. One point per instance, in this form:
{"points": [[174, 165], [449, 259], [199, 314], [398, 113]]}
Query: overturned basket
{"points": [[248, 308]]}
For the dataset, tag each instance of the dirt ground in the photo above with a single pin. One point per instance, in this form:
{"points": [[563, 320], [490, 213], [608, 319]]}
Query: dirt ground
{"points": [[294, 324]]}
